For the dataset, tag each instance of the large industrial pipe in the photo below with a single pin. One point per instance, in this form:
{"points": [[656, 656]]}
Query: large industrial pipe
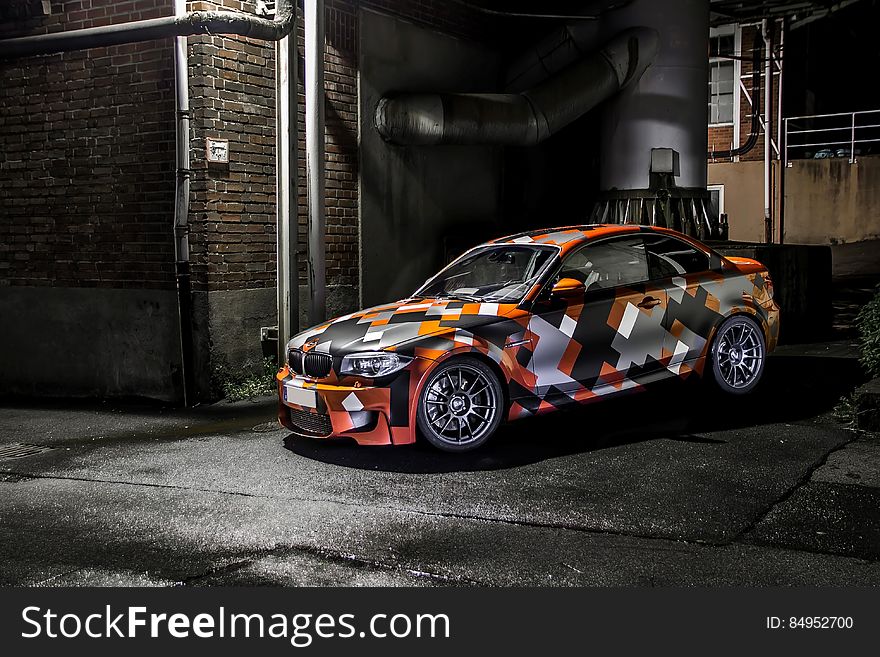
{"points": [[519, 119], [196, 22]]}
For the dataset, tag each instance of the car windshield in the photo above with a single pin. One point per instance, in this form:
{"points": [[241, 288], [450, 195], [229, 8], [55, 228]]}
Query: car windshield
{"points": [[501, 274]]}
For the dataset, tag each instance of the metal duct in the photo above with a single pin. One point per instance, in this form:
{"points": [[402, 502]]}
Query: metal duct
{"points": [[518, 119], [196, 22]]}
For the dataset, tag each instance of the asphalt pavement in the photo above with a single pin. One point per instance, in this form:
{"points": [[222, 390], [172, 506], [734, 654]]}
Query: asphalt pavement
{"points": [[675, 486]]}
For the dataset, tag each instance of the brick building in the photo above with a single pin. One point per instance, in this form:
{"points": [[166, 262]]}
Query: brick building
{"points": [[824, 178], [87, 183]]}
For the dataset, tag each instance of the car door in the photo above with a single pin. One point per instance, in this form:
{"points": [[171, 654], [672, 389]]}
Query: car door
{"points": [[613, 334], [684, 272]]}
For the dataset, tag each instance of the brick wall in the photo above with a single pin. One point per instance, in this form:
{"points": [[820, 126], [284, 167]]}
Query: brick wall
{"points": [[721, 137], [232, 96], [87, 156], [232, 210]]}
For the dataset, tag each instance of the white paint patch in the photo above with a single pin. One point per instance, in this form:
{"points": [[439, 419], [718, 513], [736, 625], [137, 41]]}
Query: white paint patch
{"points": [[370, 337], [464, 337], [352, 403], [630, 315], [568, 325], [324, 347], [677, 359], [525, 239], [420, 306], [488, 309], [678, 281]]}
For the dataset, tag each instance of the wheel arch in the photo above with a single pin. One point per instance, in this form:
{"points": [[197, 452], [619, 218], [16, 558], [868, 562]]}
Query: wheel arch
{"points": [[476, 354]]}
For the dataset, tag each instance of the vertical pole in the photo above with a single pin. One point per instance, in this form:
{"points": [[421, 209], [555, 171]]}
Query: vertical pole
{"points": [[783, 134], [181, 211], [286, 209], [768, 110], [852, 140], [314, 87]]}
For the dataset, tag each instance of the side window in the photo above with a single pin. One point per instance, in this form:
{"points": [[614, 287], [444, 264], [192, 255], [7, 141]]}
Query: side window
{"points": [[668, 256], [607, 264]]}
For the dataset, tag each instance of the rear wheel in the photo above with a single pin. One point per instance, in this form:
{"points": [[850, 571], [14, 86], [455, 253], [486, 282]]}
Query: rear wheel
{"points": [[461, 405], [738, 355]]}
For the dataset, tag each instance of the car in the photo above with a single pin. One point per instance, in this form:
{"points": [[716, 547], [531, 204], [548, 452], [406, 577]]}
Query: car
{"points": [[528, 324]]}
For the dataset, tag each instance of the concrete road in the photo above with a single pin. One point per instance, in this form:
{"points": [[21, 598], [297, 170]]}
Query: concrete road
{"points": [[671, 487]]}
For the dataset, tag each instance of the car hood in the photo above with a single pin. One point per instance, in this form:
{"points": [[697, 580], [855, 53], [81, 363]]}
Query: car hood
{"points": [[397, 324]]}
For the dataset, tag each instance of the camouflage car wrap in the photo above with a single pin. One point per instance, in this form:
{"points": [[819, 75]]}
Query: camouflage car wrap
{"points": [[547, 352]]}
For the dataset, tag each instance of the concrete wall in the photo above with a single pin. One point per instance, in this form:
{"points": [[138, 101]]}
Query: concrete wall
{"points": [[89, 342], [226, 330], [832, 201], [826, 201], [412, 199], [743, 198]]}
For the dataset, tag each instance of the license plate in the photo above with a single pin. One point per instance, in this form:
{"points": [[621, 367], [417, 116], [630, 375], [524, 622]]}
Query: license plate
{"points": [[300, 396]]}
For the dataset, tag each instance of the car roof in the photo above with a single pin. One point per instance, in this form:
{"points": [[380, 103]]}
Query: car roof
{"points": [[568, 237]]}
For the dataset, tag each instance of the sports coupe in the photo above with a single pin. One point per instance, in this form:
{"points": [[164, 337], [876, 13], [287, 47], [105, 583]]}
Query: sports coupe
{"points": [[528, 324]]}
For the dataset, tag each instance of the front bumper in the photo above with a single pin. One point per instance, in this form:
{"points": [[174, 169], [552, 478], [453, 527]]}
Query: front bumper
{"points": [[361, 412]]}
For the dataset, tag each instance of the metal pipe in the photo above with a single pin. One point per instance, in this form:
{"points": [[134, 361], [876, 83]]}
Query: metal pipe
{"points": [[185, 24], [286, 208], [755, 128], [783, 137], [768, 110], [181, 210], [314, 88], [518, 119]]}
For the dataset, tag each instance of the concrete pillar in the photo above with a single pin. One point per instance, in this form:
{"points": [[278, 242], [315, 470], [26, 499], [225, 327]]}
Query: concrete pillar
{"points": [[667, 108]]}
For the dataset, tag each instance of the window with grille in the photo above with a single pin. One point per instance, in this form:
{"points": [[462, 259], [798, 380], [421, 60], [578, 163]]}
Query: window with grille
{"points": [[722, 74]]}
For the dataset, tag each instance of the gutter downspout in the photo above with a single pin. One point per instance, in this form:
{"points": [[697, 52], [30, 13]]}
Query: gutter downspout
{"points": [[518, 119], [755, 128], [286, 186], [314, 88], [782, 136], [181, 211], [185, 24], [768, 111]]}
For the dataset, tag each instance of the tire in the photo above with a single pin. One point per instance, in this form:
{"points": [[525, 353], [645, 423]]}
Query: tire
{"points": [[739, 353], [461, 405]]}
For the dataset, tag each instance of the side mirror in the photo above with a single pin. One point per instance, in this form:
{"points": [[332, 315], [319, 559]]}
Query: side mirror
{"points": [[568, 288]]}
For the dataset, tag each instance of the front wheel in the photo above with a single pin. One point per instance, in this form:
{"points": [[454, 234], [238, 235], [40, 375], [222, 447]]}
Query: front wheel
{"points": [[738, 355], [461, 405]]}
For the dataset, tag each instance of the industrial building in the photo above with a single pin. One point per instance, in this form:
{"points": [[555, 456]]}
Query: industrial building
{"points": [[175, 188]]}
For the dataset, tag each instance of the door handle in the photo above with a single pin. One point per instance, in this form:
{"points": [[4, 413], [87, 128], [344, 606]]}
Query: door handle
{"points": [[648, 302]]}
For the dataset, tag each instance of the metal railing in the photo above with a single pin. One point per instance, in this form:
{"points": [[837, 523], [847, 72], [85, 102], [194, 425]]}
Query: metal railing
{"points": [[846, 134]]}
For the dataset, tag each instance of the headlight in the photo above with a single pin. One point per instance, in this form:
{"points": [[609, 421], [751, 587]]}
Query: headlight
{"points": [[373, 364]]}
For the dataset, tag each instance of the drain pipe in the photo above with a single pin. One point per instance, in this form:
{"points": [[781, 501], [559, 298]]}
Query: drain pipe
{"points": [[181, 210], [185, 24], [518, 119], [768, 110], [755, 128], [780, 140], [314, 88]]}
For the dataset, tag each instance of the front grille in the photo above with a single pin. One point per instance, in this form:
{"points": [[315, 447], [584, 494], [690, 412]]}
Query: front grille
{"points": [[310, 424], [312, 365]]}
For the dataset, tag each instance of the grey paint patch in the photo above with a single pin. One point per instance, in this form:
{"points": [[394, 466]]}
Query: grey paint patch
{"points": [[89, 342]]}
